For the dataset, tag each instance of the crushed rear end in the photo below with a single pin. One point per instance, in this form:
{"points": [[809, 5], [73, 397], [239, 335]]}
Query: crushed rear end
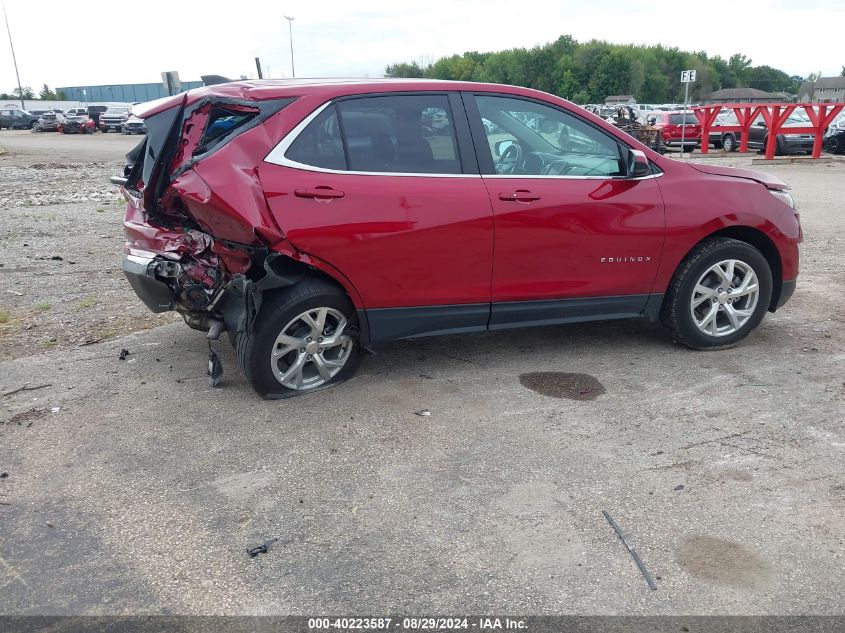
{"points": [[199, 233]]}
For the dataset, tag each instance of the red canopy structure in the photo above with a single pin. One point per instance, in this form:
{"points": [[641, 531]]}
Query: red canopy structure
{"points": [[775, 115]]}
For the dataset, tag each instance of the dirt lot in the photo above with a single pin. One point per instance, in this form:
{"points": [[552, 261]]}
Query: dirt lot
{"points": [[130, 486]]}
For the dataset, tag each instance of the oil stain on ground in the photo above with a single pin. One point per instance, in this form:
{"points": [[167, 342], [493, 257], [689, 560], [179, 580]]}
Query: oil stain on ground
{"points": [[558, 384], [723, 562]]}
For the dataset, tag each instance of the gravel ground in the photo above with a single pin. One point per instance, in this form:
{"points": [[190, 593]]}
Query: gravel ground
{"points": [[133, 487], [60, 247]]}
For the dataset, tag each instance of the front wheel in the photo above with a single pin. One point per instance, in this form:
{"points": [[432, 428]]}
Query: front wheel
{"points": [[305, 338], [718, 295], [728, 143]]}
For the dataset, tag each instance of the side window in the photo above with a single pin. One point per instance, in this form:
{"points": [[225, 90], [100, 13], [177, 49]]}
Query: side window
{"points": [[531, 139], [320, 144], [400, 134]]}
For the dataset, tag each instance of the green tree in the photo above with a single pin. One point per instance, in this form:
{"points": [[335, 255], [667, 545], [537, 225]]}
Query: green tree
{"points": [[24, 93], [46, 94], [842, 74], [397, 70], [590, 71]]}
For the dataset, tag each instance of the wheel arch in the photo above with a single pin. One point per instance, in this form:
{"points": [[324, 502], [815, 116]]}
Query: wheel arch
{"points": [[759, 240]]}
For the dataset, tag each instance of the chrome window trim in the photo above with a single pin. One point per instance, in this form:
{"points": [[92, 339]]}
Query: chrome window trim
{"points": [[564, 177], [276, 156]]}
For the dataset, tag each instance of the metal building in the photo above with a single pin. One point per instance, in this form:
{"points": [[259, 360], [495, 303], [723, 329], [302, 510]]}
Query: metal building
{"points": [[123, 93]]}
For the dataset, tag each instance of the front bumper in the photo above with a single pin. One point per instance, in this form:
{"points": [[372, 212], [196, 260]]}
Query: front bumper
{"points": [[786, 291], [145, 274]]}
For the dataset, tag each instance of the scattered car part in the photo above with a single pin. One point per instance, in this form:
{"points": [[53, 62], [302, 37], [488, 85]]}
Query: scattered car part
{"points": [[639, 561], [261, 549]]}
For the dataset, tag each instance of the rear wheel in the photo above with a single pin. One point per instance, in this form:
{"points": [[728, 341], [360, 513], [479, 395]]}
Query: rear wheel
{"points": [[718, 295], [305, 338], [689, 149], [728, 143]]}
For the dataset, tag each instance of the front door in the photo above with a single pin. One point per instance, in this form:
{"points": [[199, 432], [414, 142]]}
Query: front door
{"points": [[378, 187], [574, 237]]}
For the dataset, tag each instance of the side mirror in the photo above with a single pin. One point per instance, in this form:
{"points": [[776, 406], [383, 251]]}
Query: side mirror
{"points": [[502, 146], [637, 164]]}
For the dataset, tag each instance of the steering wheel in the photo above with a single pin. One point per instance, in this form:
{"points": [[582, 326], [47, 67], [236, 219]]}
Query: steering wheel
{"points": [[509, 160]]}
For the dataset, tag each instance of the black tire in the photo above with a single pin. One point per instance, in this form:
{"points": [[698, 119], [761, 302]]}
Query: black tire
{"points": [[32, 125], [676, 313], [717, 144], [277, 310], [728, 143], [689, 149]]}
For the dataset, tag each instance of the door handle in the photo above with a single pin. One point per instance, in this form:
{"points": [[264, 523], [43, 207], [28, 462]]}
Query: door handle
{"points": [[319, 193], [520, 195]]}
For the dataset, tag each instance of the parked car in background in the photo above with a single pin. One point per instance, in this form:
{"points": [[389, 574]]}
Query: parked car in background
{"points": [[834, 138], [134, 125], [678, 129], [729, 141], [49, 122], [323, 218], [77, 124], [114, 118], [16, 119], [786, 143]]}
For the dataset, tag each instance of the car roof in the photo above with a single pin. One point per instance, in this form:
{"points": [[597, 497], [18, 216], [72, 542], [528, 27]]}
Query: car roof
{"points": [[265, 89]]}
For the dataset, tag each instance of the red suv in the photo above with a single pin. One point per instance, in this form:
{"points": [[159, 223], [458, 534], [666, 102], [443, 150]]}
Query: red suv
{"points": [[677, 129], [311, 219]]}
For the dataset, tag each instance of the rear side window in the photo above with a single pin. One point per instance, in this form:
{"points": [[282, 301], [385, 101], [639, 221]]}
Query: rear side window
{"points": [[320, 144], [403, 134], [400, 134]]}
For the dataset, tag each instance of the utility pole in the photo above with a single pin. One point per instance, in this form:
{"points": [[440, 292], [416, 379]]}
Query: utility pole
{"points": [[290, 35], [14, 60]]}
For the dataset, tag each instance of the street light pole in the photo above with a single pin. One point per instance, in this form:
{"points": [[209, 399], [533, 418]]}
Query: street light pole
{"points": [[14, 60], [290, 35]]}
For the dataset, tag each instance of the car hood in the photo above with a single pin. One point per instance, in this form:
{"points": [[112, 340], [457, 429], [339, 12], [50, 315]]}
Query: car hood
{"points": [[769, 181]]}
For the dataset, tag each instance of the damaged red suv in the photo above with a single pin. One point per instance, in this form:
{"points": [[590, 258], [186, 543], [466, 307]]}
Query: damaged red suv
{"points": [[309, 219]]}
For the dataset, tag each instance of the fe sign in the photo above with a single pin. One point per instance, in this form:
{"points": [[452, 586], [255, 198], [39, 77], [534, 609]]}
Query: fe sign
{"points": [[687, 76]]}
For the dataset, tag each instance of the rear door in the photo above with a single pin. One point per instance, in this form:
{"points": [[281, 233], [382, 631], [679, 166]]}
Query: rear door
{"points": [[386, 189], [574, 238]]}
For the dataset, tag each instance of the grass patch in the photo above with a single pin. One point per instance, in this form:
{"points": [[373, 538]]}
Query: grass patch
{"points": [[88, 302], [5, 316], [47, 343], [43, 306]]}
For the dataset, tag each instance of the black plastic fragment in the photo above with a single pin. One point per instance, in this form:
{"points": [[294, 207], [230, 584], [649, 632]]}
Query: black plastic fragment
{"points": [[261, 549]]}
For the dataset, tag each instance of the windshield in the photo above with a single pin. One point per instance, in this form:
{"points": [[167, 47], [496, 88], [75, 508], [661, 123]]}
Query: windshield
{"points": [[117, 110]]}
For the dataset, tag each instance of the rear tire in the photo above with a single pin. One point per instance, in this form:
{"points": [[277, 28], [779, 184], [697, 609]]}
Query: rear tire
{"points": [[728, 143], [702, 309], [278, 358]]}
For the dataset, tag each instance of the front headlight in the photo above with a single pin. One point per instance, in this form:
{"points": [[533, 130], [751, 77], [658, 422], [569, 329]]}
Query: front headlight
{"points": [[784, 196]]}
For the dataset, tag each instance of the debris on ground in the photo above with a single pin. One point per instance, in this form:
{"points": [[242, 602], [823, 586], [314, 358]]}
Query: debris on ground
{"points": [[55, 409], [634, 555], [679, 487], [3, 475], [423, 412], [123, 354], [261, 549], [26, 387]]}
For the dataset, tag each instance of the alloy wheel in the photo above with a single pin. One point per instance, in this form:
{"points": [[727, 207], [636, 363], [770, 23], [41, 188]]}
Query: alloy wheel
{"points": [[724, 298], [311, 349]]}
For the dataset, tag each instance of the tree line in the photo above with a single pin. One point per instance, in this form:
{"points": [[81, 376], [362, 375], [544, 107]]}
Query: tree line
{"points": [[587, 72], [26, 92]]}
